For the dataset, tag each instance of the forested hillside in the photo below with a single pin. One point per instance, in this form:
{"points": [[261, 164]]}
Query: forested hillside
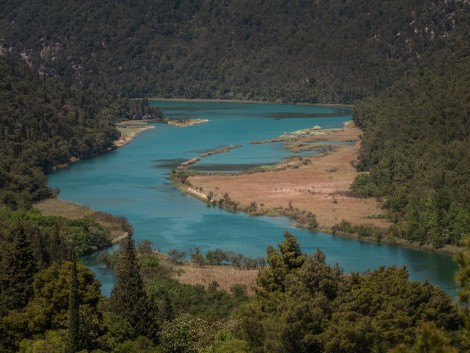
{"points": [[46, 123], [308, 51], [416, 146], [65, 67]]}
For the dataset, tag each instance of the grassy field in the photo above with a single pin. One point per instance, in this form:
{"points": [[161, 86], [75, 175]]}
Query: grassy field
{"points": [[118, 226], [319, 184], [225, 276]]}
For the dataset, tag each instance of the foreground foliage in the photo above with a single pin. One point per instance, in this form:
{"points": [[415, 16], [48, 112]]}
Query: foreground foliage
{"points": [[302, 305], [306, 305]]}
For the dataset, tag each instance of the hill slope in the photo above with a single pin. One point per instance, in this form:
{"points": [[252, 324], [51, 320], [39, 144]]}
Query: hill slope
{"points": [[45, 123], [313, 51], [415, 146]]}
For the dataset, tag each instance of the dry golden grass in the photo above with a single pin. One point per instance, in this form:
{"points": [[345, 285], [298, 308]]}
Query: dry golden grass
{"points": [[57, 207], [129, 132], [70, 210], [321, 187], [225, 276]]}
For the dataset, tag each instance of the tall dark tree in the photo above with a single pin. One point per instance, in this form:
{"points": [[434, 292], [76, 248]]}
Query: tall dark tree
{"points": [[129, 298], [74, 316], [18, 268]]}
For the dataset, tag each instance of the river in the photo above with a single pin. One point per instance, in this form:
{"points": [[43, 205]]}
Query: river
{"points": [[133, 182]]}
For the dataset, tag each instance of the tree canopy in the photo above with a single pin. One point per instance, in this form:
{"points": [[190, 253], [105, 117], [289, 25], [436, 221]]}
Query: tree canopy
{"points": [[307, 51]]}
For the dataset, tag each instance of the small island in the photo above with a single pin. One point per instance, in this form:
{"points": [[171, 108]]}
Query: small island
{"points": [[186, 122]]}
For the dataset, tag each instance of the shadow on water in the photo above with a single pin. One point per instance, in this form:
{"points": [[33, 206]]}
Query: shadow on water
{"points": [[227, 167], [168, 163]]}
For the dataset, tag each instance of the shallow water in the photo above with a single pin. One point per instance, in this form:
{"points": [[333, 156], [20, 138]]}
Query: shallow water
{"points": [[134, 182]]}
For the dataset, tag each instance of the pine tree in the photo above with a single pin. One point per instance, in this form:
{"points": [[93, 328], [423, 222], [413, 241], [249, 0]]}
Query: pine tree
{"points": [[129, 298], [281, 262], [291, 253], [168, 310]]}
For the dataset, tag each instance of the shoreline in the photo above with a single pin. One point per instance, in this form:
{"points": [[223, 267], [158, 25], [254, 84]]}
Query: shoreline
{"points": [[129, 129], [72, 210], [197, 192], [448, 250], [315, 184], [245, 101]]}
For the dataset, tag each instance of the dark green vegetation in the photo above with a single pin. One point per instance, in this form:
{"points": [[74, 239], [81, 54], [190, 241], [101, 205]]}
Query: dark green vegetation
{"points": [[50, 234], [302, 305], [43, 124], [415, 146], [56, 306], [305, 305], [61, 103], [310, 51], [46, 123]]}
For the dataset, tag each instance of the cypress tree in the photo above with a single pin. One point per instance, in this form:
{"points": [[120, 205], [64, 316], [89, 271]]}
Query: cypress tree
{"points": [[74, 316], [129, 298], [168, 310], [18, 268]]}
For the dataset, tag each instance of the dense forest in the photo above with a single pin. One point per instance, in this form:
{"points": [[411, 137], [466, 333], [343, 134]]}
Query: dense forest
{"points": [[46, 123], [415, 146], [296, 50], [67, 71]]}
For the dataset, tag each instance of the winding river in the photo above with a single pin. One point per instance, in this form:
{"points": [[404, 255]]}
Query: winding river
{"points": [[134, 182]]}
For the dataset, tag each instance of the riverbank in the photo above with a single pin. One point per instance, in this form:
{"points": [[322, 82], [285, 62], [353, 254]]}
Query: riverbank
{"points": [[118, 226], [129, 129], [199, 100], [317, 184]]}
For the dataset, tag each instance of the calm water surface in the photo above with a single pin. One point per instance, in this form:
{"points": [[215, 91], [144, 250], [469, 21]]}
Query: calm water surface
{"points": [[134, 182]]}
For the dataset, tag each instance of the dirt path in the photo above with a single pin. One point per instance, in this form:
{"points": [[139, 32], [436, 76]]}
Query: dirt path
{"points": [[320, 186]]}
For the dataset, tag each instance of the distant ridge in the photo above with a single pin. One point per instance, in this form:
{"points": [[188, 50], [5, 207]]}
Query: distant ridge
{"points": [[292, 51]]}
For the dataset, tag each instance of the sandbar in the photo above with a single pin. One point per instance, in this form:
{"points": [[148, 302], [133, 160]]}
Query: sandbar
{"points": [[129, 129]]}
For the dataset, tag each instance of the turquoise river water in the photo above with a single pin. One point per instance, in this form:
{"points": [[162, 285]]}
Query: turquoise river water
{"points": [[133, 182]]}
